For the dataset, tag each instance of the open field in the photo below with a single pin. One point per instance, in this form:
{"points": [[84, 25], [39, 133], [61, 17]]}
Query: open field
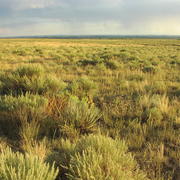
{"points": [[90, 109]]}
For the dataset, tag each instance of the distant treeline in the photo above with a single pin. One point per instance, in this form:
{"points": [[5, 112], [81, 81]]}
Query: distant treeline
{"points": [[99, 37]]}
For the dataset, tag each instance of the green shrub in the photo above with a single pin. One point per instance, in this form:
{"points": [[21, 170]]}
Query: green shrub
{"points": [[99, 157], [52, 85], [20, 52], [149, 69], [101, 67], [174, 90], [29, 71], [10, 103], [38, 148], [79, 117], [22, 113], [30, 79], [175, 62], [112, 64], [16, 166], [64, 149], [124, 56], [88, 62], [38, 51], [83, 87], [95, 157]]}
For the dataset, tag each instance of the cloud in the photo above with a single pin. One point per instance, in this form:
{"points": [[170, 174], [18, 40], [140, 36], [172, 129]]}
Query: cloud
{"points": [[4, 30], [164, 26], [89, 17], [37, 4], [26, 4]]}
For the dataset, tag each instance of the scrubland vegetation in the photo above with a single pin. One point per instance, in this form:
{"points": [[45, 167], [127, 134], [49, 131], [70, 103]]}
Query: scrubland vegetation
{"points": [[89, 109]]}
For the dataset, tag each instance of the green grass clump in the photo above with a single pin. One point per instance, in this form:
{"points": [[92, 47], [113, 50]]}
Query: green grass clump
{"points": [[16, 166], [79, 117]]}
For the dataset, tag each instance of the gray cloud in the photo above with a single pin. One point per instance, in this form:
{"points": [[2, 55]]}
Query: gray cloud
{"points": [[99, 16]]}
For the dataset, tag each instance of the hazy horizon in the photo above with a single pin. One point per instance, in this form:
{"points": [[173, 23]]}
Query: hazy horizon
{"points": [[96, 36], [89, 17]]}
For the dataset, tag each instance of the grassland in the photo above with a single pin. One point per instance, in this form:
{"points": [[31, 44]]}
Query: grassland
{"points": [[90, 109]]}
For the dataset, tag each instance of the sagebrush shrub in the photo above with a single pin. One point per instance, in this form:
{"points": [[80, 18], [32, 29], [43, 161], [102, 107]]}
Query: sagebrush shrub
{"points": [[11, 103], [149, 69], [112, 64], [38, 148], [86, 62], [95, 157], [79, 117], [16, 166], [99, 157], [83, 87], [22, 113], [30, 79], [61, 157], [29, 71]]}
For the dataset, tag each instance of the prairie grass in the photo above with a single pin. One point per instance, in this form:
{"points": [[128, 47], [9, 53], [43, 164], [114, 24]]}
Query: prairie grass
{"points": [[57, 95]]}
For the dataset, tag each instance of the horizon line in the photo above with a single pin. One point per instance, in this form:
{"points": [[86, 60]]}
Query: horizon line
{"points": [[90, 36]]}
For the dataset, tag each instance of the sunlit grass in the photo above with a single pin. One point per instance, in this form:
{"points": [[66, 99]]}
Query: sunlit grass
{"points": [[55, 92]]}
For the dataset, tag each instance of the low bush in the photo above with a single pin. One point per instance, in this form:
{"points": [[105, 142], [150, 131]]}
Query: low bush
{"points": [[10, 103], [78, 117], [29, 79], [95, 157], [112, 64], [82, 87], [63, 150], [29, 71], [88, 62], [35, 147], [16, 166], [149, 69], [99, 157], [22, 113]]}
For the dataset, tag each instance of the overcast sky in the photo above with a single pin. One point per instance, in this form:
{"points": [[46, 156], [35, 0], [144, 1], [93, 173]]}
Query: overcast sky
{"points": [[89, 17]]}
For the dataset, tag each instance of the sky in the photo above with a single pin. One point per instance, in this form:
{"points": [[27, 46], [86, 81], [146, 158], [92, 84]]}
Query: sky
{"points": [[89, 17]]}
